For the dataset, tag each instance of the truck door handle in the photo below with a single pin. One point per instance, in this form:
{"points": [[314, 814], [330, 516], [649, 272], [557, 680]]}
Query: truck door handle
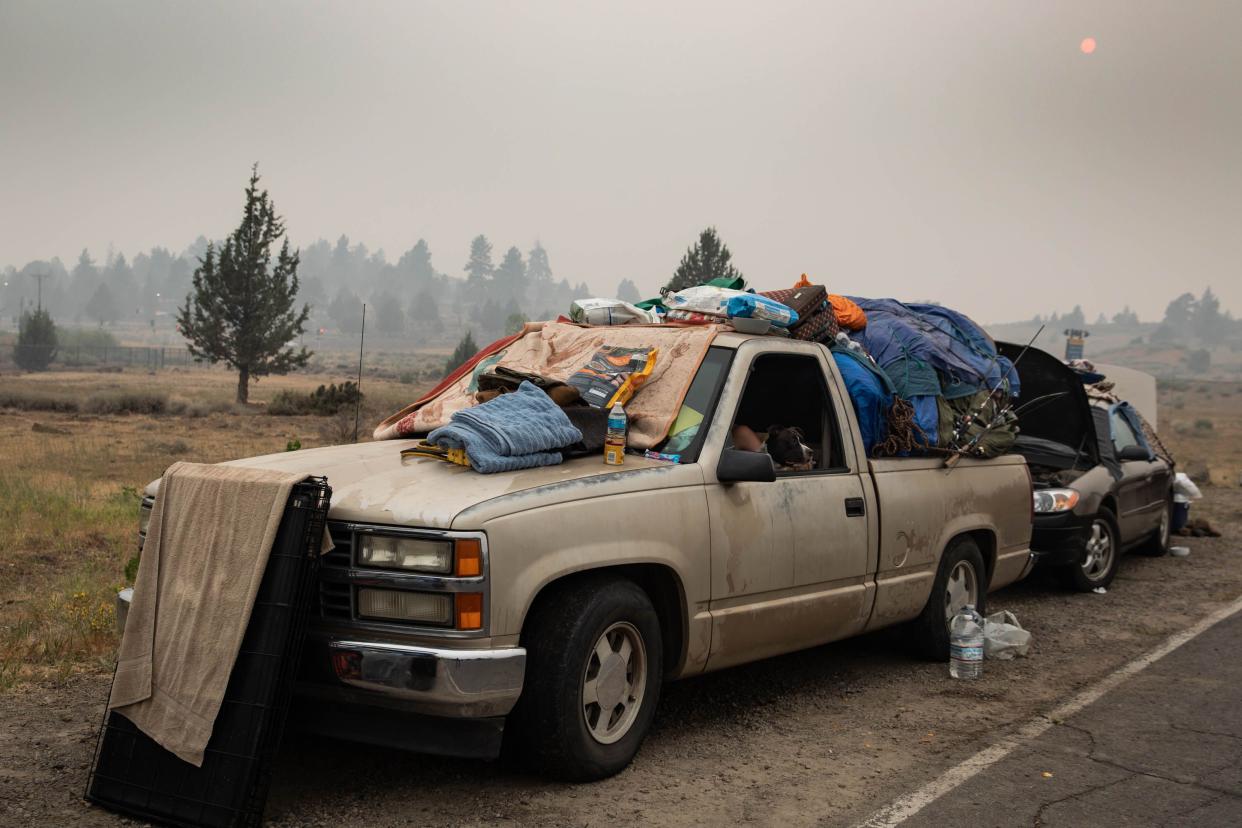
{"points": [[855, 507]]}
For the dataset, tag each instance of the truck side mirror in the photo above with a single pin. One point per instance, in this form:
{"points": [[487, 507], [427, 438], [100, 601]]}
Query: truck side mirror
{"points": [[737, 466], [1134, 453]]}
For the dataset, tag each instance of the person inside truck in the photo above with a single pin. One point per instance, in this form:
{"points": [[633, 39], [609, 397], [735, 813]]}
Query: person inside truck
{"points": [[788, 389], [783, 443]]}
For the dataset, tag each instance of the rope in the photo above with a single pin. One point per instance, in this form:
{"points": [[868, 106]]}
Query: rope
{"points": [[904, 434]]}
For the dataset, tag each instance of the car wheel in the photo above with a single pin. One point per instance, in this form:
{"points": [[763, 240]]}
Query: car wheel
{"points": [[1158, 544], [961, 579], [1101, 556], [594, 666]]}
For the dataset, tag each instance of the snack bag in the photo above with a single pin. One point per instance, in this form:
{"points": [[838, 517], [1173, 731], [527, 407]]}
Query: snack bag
{"points": [[613, 375], [731, 303]]}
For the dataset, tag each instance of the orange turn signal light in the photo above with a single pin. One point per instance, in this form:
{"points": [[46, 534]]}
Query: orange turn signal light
{"points": [[469, 610], [469, 557]]}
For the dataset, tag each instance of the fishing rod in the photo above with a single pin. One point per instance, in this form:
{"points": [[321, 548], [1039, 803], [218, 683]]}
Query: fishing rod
{"points": [[996, 422], [960, 428], [1000, 415]]}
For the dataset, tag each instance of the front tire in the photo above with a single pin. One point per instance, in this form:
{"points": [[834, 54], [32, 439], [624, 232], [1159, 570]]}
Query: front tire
{"points": [[594, 667], [961, 579], [1101, 556]]}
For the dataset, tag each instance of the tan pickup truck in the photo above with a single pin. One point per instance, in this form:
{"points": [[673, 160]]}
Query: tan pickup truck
{"points": [[545, 608]]}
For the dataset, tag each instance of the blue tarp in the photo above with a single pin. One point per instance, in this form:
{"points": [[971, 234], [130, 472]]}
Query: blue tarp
{"points": [[929, 350], [870, 392], [927, 418]]}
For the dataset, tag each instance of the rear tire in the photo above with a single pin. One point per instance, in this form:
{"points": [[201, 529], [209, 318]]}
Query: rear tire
{"points": [[1158, 544], [960, 579], [594, 667], [1101, 557]]}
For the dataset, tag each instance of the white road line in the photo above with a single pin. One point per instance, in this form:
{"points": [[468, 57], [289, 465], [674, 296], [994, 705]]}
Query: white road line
{"points": [[907, 806]]}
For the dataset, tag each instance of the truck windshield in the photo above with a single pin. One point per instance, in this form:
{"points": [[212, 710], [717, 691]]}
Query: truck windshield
{"points": [[689, 430]]}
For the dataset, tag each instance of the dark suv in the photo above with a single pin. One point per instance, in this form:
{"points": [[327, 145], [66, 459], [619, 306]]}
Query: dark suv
{"points": [[1099, 487]]}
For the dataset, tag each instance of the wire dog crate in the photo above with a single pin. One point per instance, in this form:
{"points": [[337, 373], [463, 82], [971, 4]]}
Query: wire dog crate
{"points": [[134, 775]]}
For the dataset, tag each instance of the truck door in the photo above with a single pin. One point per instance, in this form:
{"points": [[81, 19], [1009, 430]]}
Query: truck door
{"points": [[791, 559]]}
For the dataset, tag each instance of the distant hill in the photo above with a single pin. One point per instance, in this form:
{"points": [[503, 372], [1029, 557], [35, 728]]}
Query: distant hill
{"points": [[1133, 346]]}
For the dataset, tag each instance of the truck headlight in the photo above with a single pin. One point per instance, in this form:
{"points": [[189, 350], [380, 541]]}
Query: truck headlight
{"points": [[411, 554], [1048, 501]]}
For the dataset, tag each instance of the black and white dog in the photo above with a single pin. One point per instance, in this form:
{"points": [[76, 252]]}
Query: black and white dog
{"points": [[787, 450]]}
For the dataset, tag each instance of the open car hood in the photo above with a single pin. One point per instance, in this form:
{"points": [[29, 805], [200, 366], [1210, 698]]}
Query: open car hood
{"points": [[1053, 405]]}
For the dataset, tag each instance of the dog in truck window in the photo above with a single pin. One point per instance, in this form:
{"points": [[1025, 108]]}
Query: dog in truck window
{"points": [[782, 443]]}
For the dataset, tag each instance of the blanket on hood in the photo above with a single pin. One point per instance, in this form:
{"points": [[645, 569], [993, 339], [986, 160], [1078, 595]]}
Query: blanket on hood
{"points": [[514, 431]]}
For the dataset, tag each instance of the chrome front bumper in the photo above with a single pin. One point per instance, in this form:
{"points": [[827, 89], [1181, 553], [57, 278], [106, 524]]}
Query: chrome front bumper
{"points": [[433, 680]]}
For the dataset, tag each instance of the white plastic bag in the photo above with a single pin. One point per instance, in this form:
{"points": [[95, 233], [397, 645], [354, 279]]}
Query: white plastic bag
{"points": [[609, 312], [1003, 636], [1184, 489], [731, 303]]}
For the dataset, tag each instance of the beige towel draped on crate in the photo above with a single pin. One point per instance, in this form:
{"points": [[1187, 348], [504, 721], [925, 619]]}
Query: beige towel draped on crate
{"points": [[207, 546]]}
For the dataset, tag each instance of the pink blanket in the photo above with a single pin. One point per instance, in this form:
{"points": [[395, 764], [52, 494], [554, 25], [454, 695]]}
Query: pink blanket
{"points": [[558, 349]]}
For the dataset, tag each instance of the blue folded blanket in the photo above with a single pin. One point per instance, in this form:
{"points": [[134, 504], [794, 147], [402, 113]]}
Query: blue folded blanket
{"points": [[520, 430]]}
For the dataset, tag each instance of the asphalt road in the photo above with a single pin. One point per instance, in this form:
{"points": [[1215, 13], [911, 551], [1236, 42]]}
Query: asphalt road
{"points": [[1163, 748]]}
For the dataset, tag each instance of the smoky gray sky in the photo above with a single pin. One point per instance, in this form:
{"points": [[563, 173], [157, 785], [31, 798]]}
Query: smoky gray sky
{"points": [[965, 152]]}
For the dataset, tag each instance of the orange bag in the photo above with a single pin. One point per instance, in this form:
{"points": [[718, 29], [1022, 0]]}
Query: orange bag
{"points": [[848, 314]]}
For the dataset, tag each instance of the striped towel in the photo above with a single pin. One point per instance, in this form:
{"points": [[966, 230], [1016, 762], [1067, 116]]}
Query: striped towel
{"points": [[520, 430]]}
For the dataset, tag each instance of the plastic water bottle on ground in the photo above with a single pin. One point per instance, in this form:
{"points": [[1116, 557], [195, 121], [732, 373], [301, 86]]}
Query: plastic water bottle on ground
{"points": [[614, 439], [966, 644]]}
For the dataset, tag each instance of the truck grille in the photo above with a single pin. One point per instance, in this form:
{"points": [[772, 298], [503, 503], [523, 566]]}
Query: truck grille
{"points": [[336, 597]]}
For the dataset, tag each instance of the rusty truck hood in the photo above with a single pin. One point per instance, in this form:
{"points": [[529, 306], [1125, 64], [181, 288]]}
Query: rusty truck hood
{"points": [[372, 483]]}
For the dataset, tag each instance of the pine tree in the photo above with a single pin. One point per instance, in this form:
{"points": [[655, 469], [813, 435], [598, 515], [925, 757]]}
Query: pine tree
{"points": [[102, 306], [465, 349], [36, 342], [479, 268], [346, 311], [515, 322], [1179, 313], [415, 264], [708, 259], [538, 269], [510, 278], [389, 317], [83, 280], [627, 291], [424, 312], [541, 288], [1208, 323], [241, 310]]}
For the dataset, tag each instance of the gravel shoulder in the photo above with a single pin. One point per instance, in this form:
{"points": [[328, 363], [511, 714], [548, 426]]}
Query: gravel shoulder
{"points": [[818, 737]]}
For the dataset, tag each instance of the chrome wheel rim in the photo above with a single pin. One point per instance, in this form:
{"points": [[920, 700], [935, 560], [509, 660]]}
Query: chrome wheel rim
{"points": [[614, 682], [1100, 552], [961, 590]]}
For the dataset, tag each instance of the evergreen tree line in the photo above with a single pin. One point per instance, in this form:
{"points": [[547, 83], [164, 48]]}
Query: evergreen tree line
{"points": [[1186, 319], [411, 296]]}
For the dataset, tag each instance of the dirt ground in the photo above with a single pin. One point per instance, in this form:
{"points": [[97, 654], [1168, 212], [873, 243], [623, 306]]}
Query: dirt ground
{"points": [[822, 736]]}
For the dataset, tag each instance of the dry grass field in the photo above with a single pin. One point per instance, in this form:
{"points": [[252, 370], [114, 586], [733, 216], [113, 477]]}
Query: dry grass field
{"points": [[1201, 422], [70, 483]]}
